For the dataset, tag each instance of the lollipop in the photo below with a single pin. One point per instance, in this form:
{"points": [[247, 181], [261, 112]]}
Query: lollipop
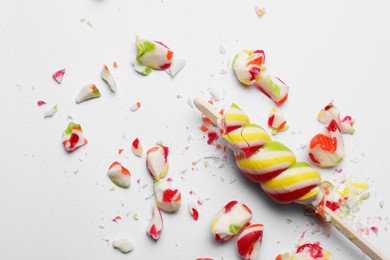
{"points": [[295, 183]]}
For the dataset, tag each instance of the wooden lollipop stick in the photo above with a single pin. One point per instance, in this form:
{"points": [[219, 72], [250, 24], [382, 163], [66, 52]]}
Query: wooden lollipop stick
{"points": [[335, 220]]}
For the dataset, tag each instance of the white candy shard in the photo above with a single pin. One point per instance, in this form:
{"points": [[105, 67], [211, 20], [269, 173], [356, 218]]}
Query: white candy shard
{"points": [[193, 208], [176, 66], [87, 92], [277, 121], [330, 112], [247, 65], [134, 107], [156, 224], [106, 75], [119, 175], [137, 148], [50, 112], [157, 161], [140, 68], [153, 54], [123, 245], [168, 199]]}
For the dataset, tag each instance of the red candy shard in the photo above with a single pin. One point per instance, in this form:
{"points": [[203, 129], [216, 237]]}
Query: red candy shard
{"points": [[58, 76]]}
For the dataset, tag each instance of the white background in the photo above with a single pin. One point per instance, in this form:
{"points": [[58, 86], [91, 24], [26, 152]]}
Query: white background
{"points": [[56, 205]]}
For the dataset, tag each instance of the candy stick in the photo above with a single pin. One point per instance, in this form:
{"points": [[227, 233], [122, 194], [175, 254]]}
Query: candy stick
{"points": [[330, 216]]}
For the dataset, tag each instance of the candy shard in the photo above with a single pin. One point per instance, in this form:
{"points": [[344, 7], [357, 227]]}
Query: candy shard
{"points": [[51, 112], [157, 161], [123, 245], [273, 88], [230, 220], [141, 69], [247, 65], [330, 112], [59, 75], [153, 54], [106, 75], [249, 242], [73, 137], [327, 149], [176, 66], [119, 175], [88, 92], [277, 121], [168, 199], [156, 223], [137, 148], [193, 208]]}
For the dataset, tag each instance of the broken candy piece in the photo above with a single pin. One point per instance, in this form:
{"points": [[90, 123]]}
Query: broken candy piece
{"points": [[153, 54], [157, 161], [273, 88], [168, 199], [156, 224], [119, 175], [234, 118], [307, 251], [176, 66], [73, 137], [58, 76], [248, 138], [87, 92], [134, 107], [193, 208], [230, 220], [277, 121], [327, 149], [123, 245], [137, 147], [247, 65], [330, 112], [50, 112], [141, 69], [106, 75], [249, 242]]}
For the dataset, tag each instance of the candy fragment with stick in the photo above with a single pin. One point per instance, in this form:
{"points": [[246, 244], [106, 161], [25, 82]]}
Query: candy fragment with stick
{"points": [[304, 190]]}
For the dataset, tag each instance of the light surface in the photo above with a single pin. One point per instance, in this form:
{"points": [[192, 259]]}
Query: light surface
{"points": [[56, 205]]}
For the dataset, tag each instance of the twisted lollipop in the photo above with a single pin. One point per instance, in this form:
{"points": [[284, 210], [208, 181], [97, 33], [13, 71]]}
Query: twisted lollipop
{"points": [[274, 166]]}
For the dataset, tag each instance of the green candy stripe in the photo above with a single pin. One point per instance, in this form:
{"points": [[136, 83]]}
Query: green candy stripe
{"points": [[276, 146], [143, 48]]}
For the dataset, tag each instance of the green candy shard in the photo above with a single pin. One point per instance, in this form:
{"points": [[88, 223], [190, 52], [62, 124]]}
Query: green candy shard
{"points": [[234, 229], [143, 48], [235, 58], [146, 71]]}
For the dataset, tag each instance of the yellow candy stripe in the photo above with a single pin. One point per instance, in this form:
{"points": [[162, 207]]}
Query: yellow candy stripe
{"points": [[276, 160]]}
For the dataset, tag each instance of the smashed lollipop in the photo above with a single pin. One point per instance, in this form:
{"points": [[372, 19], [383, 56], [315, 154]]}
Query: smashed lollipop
{"points": [[291, 182]]}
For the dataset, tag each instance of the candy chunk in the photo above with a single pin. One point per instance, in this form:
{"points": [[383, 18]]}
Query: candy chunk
{"points": [[234, 118], [277, 121], [137, 148], [119, 175], [230, 220], [59, 75], [248, 138], [41, 103], [330, 112], [312, 251], [134, 107], [106, 75], [123, 245], [273, 88], [268, 162], [249, 242], [51, 112], [141, 69], [176, 66], [293, 184], [157, 161], [193, 208], [156, 224], [327, 149], [153, 54], [73, 137], [88, 92], [247, 65], [168, 199]]}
